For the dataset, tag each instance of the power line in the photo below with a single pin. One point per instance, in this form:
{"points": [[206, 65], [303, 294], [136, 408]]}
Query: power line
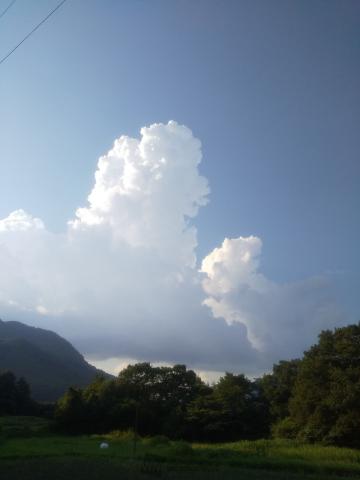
{"points": [[7, 8], [32, 31]]}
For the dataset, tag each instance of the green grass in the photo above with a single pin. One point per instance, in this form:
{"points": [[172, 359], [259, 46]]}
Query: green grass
{"points": [[55, 457], [23, 426]]}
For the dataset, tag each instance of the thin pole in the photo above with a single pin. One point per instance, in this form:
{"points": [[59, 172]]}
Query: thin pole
{"points": [[136, 429]]}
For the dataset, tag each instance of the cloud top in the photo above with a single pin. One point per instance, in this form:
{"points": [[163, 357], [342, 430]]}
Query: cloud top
{"points": [[146, 191]]}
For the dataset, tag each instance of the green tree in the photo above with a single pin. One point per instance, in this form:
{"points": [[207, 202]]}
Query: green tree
{"points": [[278, 386], [15, 396], [8, 401], [233, 410], [70, 411], [325, 404], [161, 395], [156, 398]]}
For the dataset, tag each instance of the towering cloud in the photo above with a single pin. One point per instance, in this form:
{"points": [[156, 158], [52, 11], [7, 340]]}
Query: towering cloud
{"points": [[122, 281], [145, 192]]}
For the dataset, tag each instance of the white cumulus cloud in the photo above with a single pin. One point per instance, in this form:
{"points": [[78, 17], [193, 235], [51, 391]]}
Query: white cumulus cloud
{"points": [[146, 191], [280, 319], [19, 220], [123, 282]]}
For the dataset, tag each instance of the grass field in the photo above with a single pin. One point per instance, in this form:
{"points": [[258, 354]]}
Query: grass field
{"points": [[28, 451]]}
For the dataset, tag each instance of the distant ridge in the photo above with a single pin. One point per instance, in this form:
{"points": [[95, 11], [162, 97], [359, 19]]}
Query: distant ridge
{"points": [[48, 362]]}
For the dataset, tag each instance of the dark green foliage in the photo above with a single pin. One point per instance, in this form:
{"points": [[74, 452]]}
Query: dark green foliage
{"points": [[285, 428], [15, 396], [170, 401], [234, 409], [49, 363], [325, 404], [277, 388], [152, 400], [316, 399], [161, 395], [71, 410]]}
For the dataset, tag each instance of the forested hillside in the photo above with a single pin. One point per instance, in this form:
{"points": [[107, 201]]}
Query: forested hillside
{"points": [[49, 363]]}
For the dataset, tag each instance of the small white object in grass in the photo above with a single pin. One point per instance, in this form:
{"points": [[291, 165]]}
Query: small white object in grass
{"points": [[104, 445]]}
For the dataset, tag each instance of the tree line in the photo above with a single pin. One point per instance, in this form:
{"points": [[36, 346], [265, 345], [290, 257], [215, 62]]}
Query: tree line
{"points": [[15, 398], [312, 399]]}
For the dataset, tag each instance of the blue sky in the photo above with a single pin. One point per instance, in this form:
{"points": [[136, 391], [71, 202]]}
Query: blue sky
{"points": [[270, 88]]}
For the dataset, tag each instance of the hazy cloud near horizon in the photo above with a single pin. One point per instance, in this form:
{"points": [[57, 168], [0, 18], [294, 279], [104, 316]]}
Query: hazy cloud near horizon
{"points": [[123, 279]]}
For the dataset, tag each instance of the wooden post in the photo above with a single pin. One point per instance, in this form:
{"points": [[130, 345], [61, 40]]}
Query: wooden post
{"points": [[136, 429]]}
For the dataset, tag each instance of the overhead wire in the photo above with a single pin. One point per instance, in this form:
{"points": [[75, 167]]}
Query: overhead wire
{"points": [[32, 31], [7, 8]]}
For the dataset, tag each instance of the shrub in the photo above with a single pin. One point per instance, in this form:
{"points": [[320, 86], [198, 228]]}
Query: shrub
{"points": [[124, 435], [181, 448], [157, 440], [285, 428]]}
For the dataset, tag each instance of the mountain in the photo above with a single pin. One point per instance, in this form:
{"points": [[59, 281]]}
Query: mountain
{"points": [[48, 362]]}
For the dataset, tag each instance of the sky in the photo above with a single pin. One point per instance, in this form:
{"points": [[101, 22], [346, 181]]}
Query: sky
{"points": [[179, 180]]}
